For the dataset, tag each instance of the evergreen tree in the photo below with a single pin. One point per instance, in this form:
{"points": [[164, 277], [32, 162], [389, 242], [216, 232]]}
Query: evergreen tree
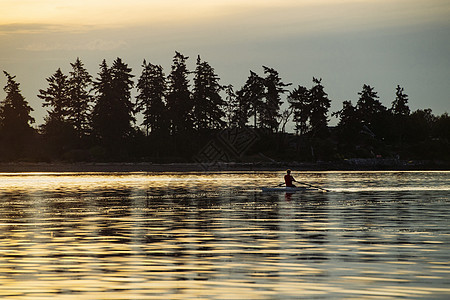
{"points": [[58, 131], [122, 84], [15, 120], [349, 123], [250, 101], [368, 105], [319, 105], [102, 112], [400, 104], [179, 104], [208, 105], [347, 115], [231, 104], [239, 108], [270, 112], [80, 99], [151, 96], [399, 114], [113, 111], [56, 96], [420, 125], [299, 101], [442, 128]]}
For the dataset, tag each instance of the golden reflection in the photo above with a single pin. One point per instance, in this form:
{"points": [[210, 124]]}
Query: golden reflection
{"points": [[151, 236]]}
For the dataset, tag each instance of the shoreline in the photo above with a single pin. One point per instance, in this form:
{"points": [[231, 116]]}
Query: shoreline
{"points": [[344, 165]]}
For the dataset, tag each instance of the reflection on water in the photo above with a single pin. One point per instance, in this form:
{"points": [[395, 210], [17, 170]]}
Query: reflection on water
{"points": [[217, 236]]}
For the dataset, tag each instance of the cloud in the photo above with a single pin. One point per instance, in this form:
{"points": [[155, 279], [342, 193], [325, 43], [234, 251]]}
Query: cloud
{"points": [[24, 28], [93, 45], [37, 28], [269, 17]]}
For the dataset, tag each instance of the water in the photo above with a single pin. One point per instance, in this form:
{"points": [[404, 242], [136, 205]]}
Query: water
{"points": [[217, 236]]}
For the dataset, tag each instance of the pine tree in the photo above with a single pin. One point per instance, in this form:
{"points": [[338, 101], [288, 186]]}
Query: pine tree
{"points": [[15, 120], [274, 87], [124, 108], [250, 101], [231, 106], [113, 111], [152, 88], [319, 105], [60, 134], [400, 104], [368, 105], [208, 105], [80, 99], [299, 101], [347, 115], [398, 116], [240, 109], [102, 113], [349, 123], [56, 96], [179, 104]]}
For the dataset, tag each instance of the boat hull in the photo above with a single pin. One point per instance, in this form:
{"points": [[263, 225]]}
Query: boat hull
{"points": [[286, 189]]}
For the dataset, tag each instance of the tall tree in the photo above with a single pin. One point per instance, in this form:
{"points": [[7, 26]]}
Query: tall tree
{"points": [[179, 102], [60, 134], [319, 105], [56, 96], [113, 111], [239, 108], [15, 119], [349, 123], [368, 105], [420, 125], [400, 104], [152, 88], [231, 104], [274, 88], [399, 114], [208, 105], [250, 100], [80, 99], [299, 101], [102, 111]]}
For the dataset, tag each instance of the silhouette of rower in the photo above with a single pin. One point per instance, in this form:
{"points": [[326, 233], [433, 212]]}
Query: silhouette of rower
{"points": [[288, 179]]}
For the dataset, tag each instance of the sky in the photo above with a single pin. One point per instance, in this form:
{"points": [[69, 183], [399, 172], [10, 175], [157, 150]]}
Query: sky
{"points": [[347, 43]]}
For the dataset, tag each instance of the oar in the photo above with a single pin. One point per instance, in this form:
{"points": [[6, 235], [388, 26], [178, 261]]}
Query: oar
{"points": [[313, 186]]}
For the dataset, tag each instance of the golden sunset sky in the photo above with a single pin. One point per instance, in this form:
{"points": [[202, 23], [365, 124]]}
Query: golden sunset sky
{"points": [[348, 43]]}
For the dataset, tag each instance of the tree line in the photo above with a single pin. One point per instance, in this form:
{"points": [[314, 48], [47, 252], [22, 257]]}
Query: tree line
{"points": [[95, 119]]}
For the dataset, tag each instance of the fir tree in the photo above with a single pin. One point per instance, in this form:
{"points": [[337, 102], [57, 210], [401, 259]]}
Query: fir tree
{"points": [[102, 113], [274, 87], [179, 104], [250, 101], [368, 105], [15, 120], [56, 96], [80, 99], [400, 104], [299, 101], [349, 123], [151, 96], [399, 114], [231, 102], [319, 105], [59, 133], [113, 111], [208, 105]]}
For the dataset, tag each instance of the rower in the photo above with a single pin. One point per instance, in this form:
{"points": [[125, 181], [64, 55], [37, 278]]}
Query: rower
{"points": [[288, 179]]}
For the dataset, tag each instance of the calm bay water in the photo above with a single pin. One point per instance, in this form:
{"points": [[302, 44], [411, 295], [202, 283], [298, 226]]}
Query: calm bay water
{"points": [[217, 236]]}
